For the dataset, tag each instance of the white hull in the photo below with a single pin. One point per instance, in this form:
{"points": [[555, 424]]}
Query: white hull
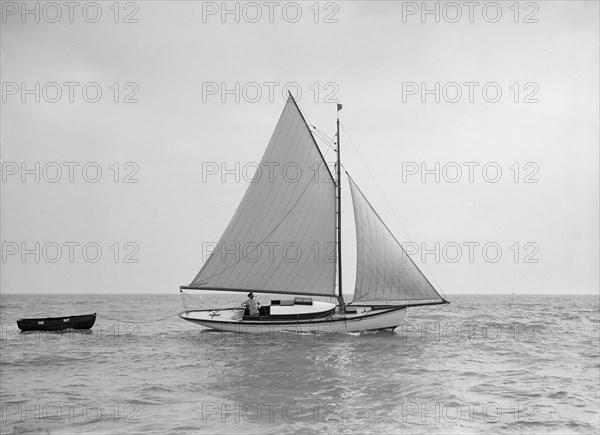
{"points": [[366, 319]]}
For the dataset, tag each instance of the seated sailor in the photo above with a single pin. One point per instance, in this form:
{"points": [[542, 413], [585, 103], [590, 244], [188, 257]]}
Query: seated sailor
{"points": [[252, 304]]}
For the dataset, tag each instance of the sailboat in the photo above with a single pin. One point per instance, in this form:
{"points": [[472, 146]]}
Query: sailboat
{"points": [[285, 240]]}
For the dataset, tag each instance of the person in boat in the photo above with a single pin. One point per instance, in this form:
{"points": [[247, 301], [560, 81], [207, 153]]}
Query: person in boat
{"points": [[252, 304]]}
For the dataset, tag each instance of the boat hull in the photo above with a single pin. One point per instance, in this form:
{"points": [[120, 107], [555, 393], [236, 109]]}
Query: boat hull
{"points": [[364, 320], [85, 321]]}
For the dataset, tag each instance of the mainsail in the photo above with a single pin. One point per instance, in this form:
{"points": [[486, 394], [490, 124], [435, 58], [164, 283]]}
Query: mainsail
{"points": [[281, 238], [384, 272]]}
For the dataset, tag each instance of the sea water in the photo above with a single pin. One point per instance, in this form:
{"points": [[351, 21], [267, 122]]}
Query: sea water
{"points": [[483, 364]]}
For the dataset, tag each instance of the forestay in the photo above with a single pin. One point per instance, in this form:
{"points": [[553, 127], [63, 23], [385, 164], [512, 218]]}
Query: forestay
{"points": [[282, 236], [385, 273]]}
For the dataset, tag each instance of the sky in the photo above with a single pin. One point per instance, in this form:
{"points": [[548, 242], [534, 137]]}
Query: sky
{"points": [[478, 128]]}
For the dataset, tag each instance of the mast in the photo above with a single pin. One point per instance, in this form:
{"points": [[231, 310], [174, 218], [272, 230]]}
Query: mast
{"points": [[339, 210], [275, 209]]}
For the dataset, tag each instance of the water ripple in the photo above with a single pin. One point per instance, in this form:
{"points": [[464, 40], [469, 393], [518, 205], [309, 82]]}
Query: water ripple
{"points": [[482, 364]]}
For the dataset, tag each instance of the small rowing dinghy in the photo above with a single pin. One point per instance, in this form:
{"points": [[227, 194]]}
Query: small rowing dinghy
{"points": [[85, 321]]}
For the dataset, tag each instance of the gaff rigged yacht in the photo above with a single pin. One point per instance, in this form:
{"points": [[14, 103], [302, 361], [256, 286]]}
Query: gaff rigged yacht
{"points": [[285, 239]]}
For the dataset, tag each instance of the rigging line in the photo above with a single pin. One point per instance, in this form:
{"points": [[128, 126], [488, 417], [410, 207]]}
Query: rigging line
{"points": [[306, 123], [189, 297], [389, 205], [321, 135], [328, 140], [183, 295], [129, 321], [185, 308], [331, 144], [323, 138]]}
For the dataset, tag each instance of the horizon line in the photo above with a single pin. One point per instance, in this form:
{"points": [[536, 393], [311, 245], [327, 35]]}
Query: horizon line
{"points": [[324, 296]]}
